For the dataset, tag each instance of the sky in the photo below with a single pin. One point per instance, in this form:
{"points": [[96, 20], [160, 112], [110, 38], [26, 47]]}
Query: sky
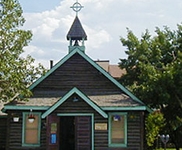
{"points": [[104, 21]]}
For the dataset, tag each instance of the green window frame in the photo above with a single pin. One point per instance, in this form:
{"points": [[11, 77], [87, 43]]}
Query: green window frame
{"points": [[117, 129], [26, 129]]}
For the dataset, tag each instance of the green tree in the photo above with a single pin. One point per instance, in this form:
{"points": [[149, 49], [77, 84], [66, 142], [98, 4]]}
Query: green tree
{"points": [[16, 72], [154, 123], [154, 73]]}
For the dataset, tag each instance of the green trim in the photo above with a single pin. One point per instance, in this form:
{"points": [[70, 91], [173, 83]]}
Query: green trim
{"points": [[62, 61], [79, 93], [14, 107], [99, 68], [72, 48], [110, 130], [85, 114], [3, 116], [110, 77], [119, 108], [74, 114], [24, 128]]}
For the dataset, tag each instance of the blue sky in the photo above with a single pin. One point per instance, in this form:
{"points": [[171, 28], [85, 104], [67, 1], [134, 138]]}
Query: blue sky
{"points": [[32, 6], [104, 21]]}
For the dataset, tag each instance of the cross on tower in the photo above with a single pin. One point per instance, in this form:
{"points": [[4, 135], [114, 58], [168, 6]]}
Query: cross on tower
{"points": [[76, 7]]}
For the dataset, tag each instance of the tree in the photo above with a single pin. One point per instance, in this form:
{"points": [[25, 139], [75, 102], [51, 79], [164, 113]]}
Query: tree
{"points": [[154, 73], [16, 72], [154, 123]]}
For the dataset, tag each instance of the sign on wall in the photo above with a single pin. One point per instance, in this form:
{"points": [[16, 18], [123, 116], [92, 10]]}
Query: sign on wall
{"points": [[100, 126]]}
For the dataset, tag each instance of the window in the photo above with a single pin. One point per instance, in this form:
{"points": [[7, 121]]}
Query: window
{"points": [[31, 130], [118, 129]]}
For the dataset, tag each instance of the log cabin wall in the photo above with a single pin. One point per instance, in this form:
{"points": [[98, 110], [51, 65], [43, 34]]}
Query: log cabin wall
{"points": [[100, 137], [135, 125], [3, 132], [75, 72], [14, 140], [135, 130]]}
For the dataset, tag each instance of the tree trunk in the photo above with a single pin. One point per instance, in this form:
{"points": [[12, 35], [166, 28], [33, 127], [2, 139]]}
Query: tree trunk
{"points": [[176, 139]]}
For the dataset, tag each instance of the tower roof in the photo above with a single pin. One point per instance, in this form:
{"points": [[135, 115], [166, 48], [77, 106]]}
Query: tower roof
{"points": [[76, 31]]}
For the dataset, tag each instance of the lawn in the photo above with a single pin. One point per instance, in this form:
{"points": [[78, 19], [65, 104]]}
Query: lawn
{"points": [[168, 149]]}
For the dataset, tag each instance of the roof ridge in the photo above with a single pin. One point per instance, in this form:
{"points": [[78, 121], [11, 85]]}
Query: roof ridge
{"points": [[79, 93], [97, 66]]}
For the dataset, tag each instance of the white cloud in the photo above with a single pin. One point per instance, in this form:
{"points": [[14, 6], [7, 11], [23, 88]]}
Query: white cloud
{"points": [[97, 38], [47, 27], [103, 21], [31, 50]]}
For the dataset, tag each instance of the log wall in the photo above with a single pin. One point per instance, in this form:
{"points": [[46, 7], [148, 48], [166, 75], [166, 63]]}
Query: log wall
{"points": [[3, 132], [134, 125], [14, 134], [75, 72]]}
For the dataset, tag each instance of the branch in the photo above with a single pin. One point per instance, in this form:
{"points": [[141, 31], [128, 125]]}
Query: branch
{"points": [[173, 55], [179, 101]]}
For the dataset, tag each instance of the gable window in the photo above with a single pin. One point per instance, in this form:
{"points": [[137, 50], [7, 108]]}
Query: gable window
{"points": [[117, 129], [31, 130]]}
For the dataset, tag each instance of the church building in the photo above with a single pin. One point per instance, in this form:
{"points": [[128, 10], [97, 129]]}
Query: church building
{"points": [[76, 105]]}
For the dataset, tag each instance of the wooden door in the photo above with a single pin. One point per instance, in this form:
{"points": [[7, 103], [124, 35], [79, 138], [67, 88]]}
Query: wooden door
{"points": [[52, 132], [83, 133]]}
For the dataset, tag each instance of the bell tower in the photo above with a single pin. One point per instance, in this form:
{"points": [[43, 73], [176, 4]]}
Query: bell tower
{"points": [[76, 34]]}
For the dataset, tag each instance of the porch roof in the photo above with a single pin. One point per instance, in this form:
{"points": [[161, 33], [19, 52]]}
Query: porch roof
{"points": [[95, 65], [119, 100], [80, 94], [106, 102]]}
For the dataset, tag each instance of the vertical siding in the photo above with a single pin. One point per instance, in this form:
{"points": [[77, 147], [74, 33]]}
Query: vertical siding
{"points": [[3, 132]]}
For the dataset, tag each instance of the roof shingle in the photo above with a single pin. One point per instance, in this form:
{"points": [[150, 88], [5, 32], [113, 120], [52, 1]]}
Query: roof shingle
{"points": [[121, 100], [76, 31]]}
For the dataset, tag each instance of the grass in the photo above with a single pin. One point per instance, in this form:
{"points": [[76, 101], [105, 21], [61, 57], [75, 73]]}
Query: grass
{"points": [[168, 149]]}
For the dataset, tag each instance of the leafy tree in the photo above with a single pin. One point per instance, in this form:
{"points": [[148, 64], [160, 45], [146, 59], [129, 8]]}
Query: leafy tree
{"points": [[154, 73], [154, 123], [16, 72]]}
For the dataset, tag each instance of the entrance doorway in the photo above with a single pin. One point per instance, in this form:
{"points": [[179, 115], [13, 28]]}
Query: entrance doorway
{"points": [[75, 133], [70, 132], [67, 133]]}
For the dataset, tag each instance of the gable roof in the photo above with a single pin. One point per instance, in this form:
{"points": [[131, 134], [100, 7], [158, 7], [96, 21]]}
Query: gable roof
{"points": [[94, 64], [79, 93], [105, 102], [114, 70]]}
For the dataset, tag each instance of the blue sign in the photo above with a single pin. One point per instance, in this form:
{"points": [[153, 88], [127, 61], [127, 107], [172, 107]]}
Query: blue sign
{"points": [[53, 138]]}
